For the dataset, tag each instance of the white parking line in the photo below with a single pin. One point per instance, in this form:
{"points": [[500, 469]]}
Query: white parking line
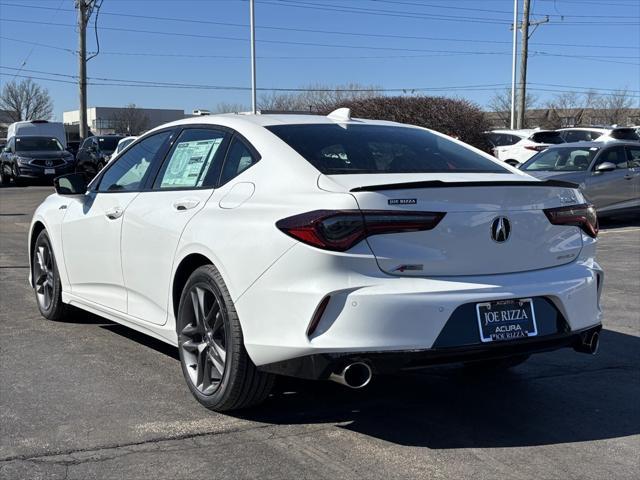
{"points": [[620, 230]]}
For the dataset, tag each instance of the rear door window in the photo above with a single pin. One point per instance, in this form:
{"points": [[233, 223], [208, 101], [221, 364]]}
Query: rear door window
{"points": [[191, 160], [634, 157], [239, 158]]}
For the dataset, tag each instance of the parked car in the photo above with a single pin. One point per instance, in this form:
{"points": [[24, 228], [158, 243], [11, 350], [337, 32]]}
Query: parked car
{"points": [[72, 147], [33, 158], [608, 173], [586, 134], [122, 144], [38, 128], [95, 152], [530, 143], [319, 247]]}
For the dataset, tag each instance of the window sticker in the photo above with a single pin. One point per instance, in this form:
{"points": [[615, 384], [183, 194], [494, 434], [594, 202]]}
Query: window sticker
{"points": [[189, 163]]}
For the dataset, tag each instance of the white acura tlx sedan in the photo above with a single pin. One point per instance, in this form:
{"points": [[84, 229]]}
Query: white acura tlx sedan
{"points": [[322, 248]]}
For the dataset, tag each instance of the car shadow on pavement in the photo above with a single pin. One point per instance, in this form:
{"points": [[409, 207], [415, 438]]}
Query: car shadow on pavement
{"points": [[558, 397]]}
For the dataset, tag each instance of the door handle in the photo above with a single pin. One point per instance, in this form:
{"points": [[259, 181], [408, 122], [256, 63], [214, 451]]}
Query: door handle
{"points": [[114, 213], [185, 204]]}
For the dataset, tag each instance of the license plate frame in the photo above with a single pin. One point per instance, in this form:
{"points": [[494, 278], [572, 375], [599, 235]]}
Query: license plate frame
{"points": [[517, 322]]}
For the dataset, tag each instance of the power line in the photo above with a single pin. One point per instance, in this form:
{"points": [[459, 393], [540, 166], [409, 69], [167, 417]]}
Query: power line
{"points": [[68, 78], [332, 32]]}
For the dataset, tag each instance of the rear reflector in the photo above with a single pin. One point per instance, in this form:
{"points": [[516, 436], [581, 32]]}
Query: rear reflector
{"points": [[339, 230], [583, 216], [317, 315]]}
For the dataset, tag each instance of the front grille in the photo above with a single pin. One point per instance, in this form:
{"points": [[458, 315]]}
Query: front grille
{"points": [[53, 162]]}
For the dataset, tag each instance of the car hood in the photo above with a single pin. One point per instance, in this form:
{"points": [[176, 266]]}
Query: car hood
{"points": [[43, 154]]}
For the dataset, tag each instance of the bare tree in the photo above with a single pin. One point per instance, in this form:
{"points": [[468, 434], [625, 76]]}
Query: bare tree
{"points": [[129, 120], [500, 104], [26, 100], [615, 106], [227, 107], [317, 97]]}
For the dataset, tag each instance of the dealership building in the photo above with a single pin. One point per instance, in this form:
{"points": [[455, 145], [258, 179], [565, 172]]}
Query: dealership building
{"points": [[107, 120]]}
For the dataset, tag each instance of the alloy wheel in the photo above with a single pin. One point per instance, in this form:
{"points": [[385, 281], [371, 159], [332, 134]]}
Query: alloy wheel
{"points": [[44, 276], [203, 339]]}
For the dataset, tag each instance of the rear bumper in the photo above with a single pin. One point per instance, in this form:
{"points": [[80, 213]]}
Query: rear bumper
{"points": [[320, 366], [370, 311]]}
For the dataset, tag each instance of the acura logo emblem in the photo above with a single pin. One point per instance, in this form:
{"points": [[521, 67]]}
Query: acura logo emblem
{"points": [[48, 163], [500, 229]]}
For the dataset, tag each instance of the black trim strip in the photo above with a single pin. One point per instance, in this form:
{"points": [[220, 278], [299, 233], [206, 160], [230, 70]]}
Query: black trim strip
{"points": [[441, 184]]}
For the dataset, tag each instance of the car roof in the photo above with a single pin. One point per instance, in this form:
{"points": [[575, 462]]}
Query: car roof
{"points": [[585, 129], [234, 120], [598, 145]]}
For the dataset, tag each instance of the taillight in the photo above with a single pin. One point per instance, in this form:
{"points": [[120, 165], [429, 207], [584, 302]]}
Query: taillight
{"points": [[339, 230], [583, 216], [536, 148]]}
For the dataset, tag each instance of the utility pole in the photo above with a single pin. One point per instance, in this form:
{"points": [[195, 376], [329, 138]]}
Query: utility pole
{"points": [[523, 60], [514, 62], [84, 13], [254, 107]]}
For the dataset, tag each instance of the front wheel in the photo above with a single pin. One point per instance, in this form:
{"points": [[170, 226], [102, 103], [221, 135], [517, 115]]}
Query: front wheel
{"points": [[214, 362], [46, 280]]}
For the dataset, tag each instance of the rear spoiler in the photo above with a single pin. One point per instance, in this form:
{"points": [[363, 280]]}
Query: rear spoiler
{"points": [[441, 184]]}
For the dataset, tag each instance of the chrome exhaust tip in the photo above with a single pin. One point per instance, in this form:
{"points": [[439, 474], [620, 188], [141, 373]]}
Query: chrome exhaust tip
{"points": [[589, 343], [355, 375]]}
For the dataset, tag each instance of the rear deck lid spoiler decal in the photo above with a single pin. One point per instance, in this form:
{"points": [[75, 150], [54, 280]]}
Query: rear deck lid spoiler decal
{"points": [[441, 184]]}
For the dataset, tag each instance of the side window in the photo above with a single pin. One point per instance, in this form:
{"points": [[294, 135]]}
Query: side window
{"points": [[239, 158], [129, 171], [193, 156], [616, 156], [634, 157]]}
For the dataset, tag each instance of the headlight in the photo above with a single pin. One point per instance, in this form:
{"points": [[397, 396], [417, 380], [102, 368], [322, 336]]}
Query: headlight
{"points": [[23, 160]]}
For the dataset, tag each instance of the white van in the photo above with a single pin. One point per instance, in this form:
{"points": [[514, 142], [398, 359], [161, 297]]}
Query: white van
{"points": [[41, 128]]}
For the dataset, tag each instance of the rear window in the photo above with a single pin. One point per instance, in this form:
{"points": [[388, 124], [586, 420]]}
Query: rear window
{"points": [[108, 144], [547, 137], [624, 134], [351, 149]]}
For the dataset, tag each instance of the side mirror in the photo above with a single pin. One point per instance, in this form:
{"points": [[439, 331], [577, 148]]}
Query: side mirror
{"points": [[71, 184], [606, 167]]}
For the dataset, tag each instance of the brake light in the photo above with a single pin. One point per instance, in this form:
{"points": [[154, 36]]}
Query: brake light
{"points": [[339, 230], [583, 216], [536, 148]]}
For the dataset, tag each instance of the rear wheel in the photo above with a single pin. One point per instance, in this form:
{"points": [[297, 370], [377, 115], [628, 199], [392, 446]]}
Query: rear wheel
{"points": [[215, 364], [46, 280]]}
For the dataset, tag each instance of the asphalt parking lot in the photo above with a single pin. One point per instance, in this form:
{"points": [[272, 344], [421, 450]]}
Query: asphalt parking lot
{"points": [[91, 399]]}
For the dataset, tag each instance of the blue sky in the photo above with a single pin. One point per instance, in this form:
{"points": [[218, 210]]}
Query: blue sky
{"points": [[461, 47]]}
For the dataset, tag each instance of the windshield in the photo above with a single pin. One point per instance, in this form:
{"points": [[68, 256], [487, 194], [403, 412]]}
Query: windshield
{"points": [[352, 149], [108, 144], [565, 159], [38, 144]]}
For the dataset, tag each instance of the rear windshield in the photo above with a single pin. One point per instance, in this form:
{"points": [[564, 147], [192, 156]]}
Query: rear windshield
{"points": [[108, 144], [351, 149], [561, 159], [624, 134], [38, 144], [547, 137]]}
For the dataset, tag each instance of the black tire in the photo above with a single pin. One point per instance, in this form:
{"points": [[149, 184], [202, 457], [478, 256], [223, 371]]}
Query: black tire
{"points": [[241, 384], [497, 364], [53, 309], [4, 179]]}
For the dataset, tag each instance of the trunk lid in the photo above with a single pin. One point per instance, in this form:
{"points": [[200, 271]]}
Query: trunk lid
{"points": [[462, 243]]}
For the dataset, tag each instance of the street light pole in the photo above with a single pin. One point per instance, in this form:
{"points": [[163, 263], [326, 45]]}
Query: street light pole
{"points": [[514, 63], [254, 107]]}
